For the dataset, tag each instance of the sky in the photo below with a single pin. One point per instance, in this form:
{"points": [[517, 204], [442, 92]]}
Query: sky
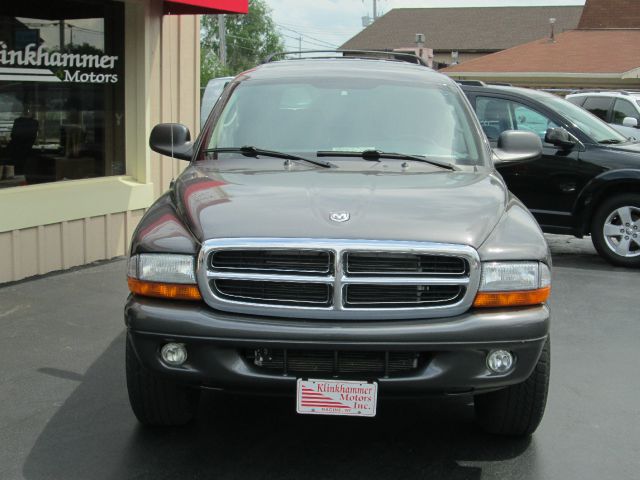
{"points": [[329, 23]]}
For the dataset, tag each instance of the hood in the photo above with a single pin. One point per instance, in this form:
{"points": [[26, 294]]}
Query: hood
{"points": [[632, 147], [419, 204]]}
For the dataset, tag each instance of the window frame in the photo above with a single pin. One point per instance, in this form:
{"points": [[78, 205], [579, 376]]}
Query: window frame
{"points": [[48, 203], [609, 108], [539, 109], [628, 102]]}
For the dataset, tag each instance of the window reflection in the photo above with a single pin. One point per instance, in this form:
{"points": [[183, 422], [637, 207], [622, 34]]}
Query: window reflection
{"points": [[61, 92]]}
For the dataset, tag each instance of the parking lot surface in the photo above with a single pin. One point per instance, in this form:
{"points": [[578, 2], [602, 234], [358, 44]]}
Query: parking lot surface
{"points": [[65, 413]]}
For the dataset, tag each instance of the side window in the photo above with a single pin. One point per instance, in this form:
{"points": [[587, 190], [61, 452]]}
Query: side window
{"points": [[599, 106], [531, 121], [576, 100], [497, 115], [494, 116], [624, 108]]}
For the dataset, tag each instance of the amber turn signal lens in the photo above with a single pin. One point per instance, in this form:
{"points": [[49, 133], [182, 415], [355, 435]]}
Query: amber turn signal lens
{"points": [[164, 290], [511, 299]]}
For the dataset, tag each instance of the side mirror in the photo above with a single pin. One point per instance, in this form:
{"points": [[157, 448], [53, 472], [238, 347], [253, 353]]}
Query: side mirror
{"points": [[172, 140], [630, 122], [560, 138], [517, 146]]}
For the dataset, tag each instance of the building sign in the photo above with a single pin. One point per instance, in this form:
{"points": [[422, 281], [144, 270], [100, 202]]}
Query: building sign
{"points": [[37, 64]]}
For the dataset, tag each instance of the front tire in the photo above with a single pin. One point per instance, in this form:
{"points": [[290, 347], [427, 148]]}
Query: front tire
{"points": [[155, 400], [516, 410], [615, 230]]}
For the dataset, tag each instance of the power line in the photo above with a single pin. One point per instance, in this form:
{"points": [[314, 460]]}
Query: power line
{"points": [[333, 30], [305, 35], [314, 44], [309, 42]]}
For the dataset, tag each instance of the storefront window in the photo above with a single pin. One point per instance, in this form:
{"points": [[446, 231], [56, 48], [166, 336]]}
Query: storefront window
{"points": [[61, 91]]}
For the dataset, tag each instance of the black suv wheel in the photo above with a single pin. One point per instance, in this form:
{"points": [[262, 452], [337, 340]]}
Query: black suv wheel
{"points": [[155, 400], [517, 410], [615, 230]]}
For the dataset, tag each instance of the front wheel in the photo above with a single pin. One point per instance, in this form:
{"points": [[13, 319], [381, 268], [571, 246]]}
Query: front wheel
{"points": [[517, 410], [615, 230], [155, 400]]}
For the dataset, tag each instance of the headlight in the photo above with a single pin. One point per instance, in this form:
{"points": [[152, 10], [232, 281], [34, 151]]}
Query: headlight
{"points": [[163, 275], [505, 284]]}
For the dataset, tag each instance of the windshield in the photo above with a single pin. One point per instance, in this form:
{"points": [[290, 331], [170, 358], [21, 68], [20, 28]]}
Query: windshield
{"points": [[591, 125], [348, 114]]}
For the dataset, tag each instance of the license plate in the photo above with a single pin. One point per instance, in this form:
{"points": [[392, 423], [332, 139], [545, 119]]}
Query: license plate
{"points": [[330, 397]]}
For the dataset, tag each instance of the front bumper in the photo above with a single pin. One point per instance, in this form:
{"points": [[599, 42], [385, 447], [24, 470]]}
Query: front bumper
{"points": [[456, 347]]}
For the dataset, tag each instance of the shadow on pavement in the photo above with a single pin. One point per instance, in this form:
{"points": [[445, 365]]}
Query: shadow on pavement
{"points": [[94, 435], [585, 262]]}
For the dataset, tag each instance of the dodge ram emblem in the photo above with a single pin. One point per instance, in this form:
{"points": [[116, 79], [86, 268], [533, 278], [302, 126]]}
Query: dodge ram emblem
{"points": [[339, 216]]}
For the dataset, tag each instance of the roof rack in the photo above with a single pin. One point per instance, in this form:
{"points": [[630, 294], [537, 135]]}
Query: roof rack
{"points": [[384, 55], [472, 83], [622, 92]]}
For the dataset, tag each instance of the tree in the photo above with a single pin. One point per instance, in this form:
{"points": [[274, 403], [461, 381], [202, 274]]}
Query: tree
{"points": [[250, 38]]}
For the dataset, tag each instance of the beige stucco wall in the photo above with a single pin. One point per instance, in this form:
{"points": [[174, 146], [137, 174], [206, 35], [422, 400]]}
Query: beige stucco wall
{"points": [[49, 227]]}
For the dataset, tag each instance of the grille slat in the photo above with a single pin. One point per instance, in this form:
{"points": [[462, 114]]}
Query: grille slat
{"points": [[269, 292], [371, 296], [290, 261], [322, 361], [367, 263]]}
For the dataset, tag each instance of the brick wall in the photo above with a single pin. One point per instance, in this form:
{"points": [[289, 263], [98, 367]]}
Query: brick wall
{"points": [[611, 14]]}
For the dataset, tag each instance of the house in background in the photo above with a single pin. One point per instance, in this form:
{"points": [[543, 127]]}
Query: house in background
{"points": [[603, 52], [82, 82], [471, 32]]}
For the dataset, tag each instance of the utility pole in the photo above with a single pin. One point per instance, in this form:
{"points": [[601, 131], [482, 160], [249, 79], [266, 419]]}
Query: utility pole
{"points": [[222, 29], [375, 10], [299, 46]]}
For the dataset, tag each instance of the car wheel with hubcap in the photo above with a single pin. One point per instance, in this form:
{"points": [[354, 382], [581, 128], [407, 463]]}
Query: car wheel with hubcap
{"points": [[615, 230], [517, 410]]}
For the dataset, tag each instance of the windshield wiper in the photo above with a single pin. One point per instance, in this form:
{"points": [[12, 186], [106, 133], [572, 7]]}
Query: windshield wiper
{"points": [[610, 141], [376, 155], [250, 151]]}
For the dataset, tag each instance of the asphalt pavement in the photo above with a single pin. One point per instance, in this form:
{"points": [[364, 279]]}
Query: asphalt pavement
{"points": [[64, 412]]}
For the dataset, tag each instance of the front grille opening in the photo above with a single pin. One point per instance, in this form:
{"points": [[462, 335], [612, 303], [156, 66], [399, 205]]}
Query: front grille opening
{"points": [[274, 292], [334, 362], [391, 263], [399, 296], [272, 261]]}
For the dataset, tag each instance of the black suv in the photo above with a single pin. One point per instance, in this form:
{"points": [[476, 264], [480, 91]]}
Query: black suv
{"points": [[588, 178]]}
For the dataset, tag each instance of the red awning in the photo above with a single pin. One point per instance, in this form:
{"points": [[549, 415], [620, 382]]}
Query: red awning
{"points": [[194, 7]]}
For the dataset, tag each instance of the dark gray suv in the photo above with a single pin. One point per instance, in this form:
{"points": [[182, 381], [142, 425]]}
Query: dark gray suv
{"points": [[340, 235]]}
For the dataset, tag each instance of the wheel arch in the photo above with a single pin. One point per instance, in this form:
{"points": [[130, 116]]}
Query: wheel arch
{"points": [[613, 182]]}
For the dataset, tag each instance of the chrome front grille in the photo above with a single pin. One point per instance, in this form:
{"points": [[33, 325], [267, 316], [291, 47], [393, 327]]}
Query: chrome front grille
{"points": [[338, 279]]}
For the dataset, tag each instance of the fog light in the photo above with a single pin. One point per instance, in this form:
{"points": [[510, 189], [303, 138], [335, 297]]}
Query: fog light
{"points": [[174, 354], [499, 361]]}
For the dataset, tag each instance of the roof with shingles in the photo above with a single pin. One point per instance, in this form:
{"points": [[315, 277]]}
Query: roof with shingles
{"points": [[464, 29], [610, 14], [576, 51]]}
